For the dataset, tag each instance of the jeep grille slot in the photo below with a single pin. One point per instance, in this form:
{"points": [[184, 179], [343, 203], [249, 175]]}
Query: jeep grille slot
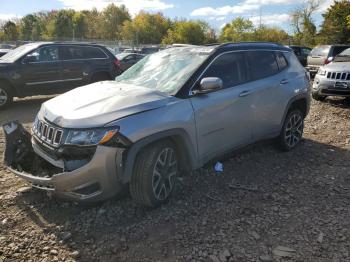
{"points": [[47, 133], [338, 76]]}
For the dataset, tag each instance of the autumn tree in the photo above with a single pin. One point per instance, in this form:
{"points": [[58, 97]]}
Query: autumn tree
{"points": [[112, 19], [335, 29], [146, 28], [238, 30], [270, 34], [10, 31]]}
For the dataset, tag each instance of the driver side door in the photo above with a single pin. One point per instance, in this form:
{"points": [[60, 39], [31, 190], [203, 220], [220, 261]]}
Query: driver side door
{"points": [[40, 71], [224, 118]]}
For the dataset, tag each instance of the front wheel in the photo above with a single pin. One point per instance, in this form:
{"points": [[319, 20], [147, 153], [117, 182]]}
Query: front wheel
{"points": [[154, 174], [292, 130]]}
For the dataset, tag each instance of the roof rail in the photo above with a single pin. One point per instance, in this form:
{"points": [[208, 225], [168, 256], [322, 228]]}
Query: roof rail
{"points": [[251, 42]]}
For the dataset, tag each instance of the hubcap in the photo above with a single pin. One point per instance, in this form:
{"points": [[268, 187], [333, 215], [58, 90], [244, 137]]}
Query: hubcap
{"points": [[164, 174], [294, 130], [3, 97]]}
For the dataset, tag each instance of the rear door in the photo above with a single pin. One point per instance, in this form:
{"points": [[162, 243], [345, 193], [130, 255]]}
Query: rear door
{"points": [[267, 81], [42, 73]]}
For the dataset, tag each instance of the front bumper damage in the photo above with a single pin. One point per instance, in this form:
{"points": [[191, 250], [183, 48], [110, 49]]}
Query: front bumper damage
{"points": [[85, 180]]}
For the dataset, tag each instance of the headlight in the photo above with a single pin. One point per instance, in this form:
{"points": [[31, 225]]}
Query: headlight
{"points": [[321, 72], [91, 137]]}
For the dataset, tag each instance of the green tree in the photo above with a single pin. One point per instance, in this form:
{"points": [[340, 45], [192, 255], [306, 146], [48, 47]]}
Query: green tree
{"points": [[189, 32], [270, 34], [238, 30], [93, 20], [113, 18], [10, 30], [79, 25], [63, 26], [335, 29], [146, 28]]}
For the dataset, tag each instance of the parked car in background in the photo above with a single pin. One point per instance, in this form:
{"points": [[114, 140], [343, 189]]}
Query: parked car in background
{"points": [[322, 55], [333, 79], [176, 110], [128, 59], [5, 48], [53, 68], [301, 52], [149, 50]]}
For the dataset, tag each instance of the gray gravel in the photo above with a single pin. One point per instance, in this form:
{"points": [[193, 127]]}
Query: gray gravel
{"points": [[292, 207]]}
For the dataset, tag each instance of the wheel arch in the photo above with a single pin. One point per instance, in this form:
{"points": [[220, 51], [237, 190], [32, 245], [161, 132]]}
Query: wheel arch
{"points": [[185, 149], [300, 101], [6, 81]]}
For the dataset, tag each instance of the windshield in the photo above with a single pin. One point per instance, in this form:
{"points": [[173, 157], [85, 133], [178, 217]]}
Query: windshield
{"points": [[166, 71], [14, 54]]}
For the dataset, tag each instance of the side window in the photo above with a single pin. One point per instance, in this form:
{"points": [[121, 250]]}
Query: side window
{"points": [[306, 51], [71, 52], [230, 68], [44, 54], [261, 64], [296, 50], [281, 60], [93, 52]]}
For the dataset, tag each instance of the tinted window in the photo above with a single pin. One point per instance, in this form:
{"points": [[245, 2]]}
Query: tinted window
{"points": [[93, 52], [281, 60], [261, 64], [296, 50], [44, 54], [322, 50], [230, 68], [338, 49], [305, 50]]}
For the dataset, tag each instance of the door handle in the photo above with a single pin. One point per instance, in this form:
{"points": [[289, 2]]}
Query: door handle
{"points": [[284, 81], [245, 93]]}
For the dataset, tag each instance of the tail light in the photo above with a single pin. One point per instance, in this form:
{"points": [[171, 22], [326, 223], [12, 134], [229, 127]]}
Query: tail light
{"points": [[117, 63]]}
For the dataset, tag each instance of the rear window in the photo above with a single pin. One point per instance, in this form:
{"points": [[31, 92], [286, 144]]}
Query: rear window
{"points": [[282, 61], [94, 52], [338, 49], [81, 52], [320, 51], [261, 64]]}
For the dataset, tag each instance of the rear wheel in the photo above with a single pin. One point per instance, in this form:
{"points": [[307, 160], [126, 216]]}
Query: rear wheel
{"points": [[292, 130], [6, 96], [154, 175], [318, 97]]}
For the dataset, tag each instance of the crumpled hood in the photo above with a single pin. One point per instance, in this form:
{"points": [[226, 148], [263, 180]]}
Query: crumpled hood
{"points": [[97, 104], [338, 67]]}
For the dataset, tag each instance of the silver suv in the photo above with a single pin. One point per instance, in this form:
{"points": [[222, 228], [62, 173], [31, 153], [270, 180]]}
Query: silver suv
{"points": [[333, 79], [173, 111]]}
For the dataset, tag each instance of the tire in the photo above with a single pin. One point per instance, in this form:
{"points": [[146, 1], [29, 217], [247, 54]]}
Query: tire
{"points": [[317, 97], [154, 175], [6, 95], [292, 130], [98, 77]]}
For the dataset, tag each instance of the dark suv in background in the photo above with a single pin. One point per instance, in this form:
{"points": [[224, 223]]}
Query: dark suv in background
{"points": [[52, 68], [301, 52], [322, 55]]}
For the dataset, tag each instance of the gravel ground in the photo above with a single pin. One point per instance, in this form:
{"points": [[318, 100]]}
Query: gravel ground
{"points": [[265, 206]]}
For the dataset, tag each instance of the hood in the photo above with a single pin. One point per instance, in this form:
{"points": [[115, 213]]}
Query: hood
{"points": [[97, 104], [338, 67]]}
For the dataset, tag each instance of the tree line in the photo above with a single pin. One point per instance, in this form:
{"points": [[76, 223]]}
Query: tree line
{"points": [[116, 24]]}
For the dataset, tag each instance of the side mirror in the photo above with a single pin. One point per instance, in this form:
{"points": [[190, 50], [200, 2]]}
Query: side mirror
{"points": [[210, 84]]}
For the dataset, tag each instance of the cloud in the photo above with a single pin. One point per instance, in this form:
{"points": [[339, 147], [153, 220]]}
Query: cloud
{"points": [[274, 19], [241, 8], [323, 8], [134, 6], [225, 10], [5, 17]]}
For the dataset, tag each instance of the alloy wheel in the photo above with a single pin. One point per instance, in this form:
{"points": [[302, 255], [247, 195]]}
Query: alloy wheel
{"points": [[294, 129], [164, 174], [3, 97]]}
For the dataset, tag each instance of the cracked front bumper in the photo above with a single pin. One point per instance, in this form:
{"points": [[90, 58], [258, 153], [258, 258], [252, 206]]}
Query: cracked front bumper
{"points": [[95, 181]]}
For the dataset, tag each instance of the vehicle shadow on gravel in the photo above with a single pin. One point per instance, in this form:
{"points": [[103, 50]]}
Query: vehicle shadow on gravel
{"points": [[339, 102], [261, 190], [23, 110]]}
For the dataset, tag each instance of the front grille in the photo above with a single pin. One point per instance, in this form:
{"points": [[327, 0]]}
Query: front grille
{"points": [[338, 75], [47, 133]]}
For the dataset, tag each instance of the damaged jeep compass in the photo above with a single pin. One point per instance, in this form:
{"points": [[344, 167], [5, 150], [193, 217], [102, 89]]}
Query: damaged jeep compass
{"points": [[173, 111]]}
